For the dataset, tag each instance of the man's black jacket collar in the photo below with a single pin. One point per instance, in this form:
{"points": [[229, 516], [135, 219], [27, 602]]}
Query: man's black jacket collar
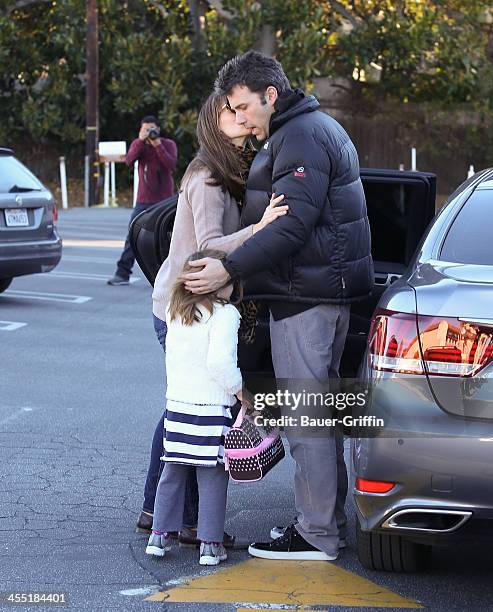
{"points": [[289, 104]]}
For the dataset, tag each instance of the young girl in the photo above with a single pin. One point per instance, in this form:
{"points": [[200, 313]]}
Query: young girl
{"points": [[203, 382]]}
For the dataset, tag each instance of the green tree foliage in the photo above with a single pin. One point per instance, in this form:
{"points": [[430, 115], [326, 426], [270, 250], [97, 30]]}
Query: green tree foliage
{"points": [[419, 50], [161, 57]]}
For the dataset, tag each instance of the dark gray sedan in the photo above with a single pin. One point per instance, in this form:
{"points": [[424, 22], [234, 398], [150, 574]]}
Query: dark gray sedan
{"points": [[426, 477], [29, 242]]}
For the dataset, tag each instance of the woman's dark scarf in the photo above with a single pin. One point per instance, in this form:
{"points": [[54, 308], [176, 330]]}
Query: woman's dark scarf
{"points": [[248, 309]]}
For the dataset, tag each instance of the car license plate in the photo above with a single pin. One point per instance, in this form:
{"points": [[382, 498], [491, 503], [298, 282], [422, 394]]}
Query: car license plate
{"points": [[16, 217]]}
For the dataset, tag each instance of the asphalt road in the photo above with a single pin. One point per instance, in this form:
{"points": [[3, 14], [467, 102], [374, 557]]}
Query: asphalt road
{"points": [[81, 392]]}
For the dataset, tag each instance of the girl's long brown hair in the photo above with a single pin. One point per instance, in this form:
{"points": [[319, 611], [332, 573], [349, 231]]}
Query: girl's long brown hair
{"points": [[227, 164], [183, 303]]}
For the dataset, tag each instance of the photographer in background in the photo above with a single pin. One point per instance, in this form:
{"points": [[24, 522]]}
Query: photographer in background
{"points": [[157, 160]]}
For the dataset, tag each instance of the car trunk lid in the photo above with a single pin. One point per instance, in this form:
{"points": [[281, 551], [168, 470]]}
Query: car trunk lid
{"points": [[26, 216], [453, 289], [455, 326]]}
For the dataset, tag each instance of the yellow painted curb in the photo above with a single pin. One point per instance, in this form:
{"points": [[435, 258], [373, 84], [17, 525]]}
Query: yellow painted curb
{"points": [[111, 244], [296, 583]]}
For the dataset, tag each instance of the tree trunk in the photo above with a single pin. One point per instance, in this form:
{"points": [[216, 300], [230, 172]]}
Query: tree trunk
{"points": [[92, 99], [266, 42], [197, 10]]}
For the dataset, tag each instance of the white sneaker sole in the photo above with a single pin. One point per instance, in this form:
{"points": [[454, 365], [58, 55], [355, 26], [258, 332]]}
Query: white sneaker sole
{"points": [[312, 555], [156, 551], [206, 560]]}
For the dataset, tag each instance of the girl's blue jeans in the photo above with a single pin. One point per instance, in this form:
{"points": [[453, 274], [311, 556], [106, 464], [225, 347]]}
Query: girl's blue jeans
{"points": [[191, 509]]}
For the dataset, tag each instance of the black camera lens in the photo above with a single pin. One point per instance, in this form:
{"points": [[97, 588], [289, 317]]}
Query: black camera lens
{"points": [[153, 133]]}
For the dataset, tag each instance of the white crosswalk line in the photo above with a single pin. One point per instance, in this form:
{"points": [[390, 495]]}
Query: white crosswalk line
{"points": [[48, 297], [11, 325], [16, 415], [84, 276], [82, 259]]}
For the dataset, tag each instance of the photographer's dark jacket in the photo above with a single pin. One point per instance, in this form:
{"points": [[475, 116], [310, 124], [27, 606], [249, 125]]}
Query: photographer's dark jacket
{"points": [[156, 165], [321, 250]]}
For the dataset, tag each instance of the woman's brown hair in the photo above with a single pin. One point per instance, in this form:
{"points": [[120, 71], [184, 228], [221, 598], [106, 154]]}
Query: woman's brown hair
{"points": [[227, 163], [184, 304]]}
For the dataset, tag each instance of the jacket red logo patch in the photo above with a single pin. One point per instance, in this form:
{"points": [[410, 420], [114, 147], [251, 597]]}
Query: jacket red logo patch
{"points": [[300, 171]]}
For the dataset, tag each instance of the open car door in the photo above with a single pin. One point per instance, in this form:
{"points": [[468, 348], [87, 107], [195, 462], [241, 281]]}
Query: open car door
{"points": [[400, 207]]}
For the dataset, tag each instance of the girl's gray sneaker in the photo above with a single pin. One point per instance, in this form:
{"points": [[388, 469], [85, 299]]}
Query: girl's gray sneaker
{"points": [[212, 554], [158, 544]]}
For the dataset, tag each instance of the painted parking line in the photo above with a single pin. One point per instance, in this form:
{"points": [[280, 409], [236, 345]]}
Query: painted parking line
{"points": [[48, 297], [84, 276], [11, 325], [93, 260], [73, 226], [292, 584], [21, 412], [108, 244]]}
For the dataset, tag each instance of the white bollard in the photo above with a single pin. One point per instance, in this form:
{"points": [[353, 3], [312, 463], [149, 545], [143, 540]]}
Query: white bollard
{"points": [[470, 171], [113, 184], [63, 183], [136, 182], [401, 167], [413, 159], [86, 181], [106, 200]]}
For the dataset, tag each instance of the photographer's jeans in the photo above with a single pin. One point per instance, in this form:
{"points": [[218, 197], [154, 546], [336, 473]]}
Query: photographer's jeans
{"points": [[127, 259], [191, 509], [309, 345]]}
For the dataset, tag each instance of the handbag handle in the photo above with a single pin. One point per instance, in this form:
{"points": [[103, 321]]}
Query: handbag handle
{"points": [[240, 417]]}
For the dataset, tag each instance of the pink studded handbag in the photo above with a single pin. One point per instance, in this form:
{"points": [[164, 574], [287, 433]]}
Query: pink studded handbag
{"points": [[249, 454]]}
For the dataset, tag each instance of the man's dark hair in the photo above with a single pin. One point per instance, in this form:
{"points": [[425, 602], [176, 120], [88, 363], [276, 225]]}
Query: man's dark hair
{"points": [[253, 70], [149, 119]]}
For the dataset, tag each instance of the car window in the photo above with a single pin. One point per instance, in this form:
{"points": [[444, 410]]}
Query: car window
{"points": [[469, 238], [16, 178]]}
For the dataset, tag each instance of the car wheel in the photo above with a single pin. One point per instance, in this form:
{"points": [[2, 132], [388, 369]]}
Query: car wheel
{"points": [[391, 553], [4, 283]]}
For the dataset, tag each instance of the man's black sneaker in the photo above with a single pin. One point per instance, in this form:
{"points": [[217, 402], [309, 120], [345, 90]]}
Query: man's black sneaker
{"points": [[118, 280], [277, 532], [290, 546]]}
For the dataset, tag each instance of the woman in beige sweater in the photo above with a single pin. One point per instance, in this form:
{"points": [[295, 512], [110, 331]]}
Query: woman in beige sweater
{"points": [[212, 189], [207, 216]]}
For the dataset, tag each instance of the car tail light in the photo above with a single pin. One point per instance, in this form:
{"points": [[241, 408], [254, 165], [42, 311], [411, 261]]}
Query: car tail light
{"points": [[441, 346], [373, 486], [452, 347], [394, 345], [55, 214]]}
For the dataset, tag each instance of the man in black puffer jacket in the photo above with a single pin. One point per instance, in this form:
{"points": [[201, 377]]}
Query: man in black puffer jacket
{"points": [[309, 265]]}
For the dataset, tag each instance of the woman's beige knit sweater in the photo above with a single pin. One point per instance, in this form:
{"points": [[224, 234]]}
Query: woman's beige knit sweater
{"points": [[206, 217]]}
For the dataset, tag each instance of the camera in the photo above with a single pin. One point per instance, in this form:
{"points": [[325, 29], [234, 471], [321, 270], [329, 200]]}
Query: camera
{"points": [[153, 133]]}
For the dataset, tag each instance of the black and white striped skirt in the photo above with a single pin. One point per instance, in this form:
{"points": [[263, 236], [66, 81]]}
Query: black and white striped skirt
{"points": [[194, 433]]}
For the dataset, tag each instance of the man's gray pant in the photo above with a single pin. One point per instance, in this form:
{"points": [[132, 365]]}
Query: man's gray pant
{"points": [[309, 345]]}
